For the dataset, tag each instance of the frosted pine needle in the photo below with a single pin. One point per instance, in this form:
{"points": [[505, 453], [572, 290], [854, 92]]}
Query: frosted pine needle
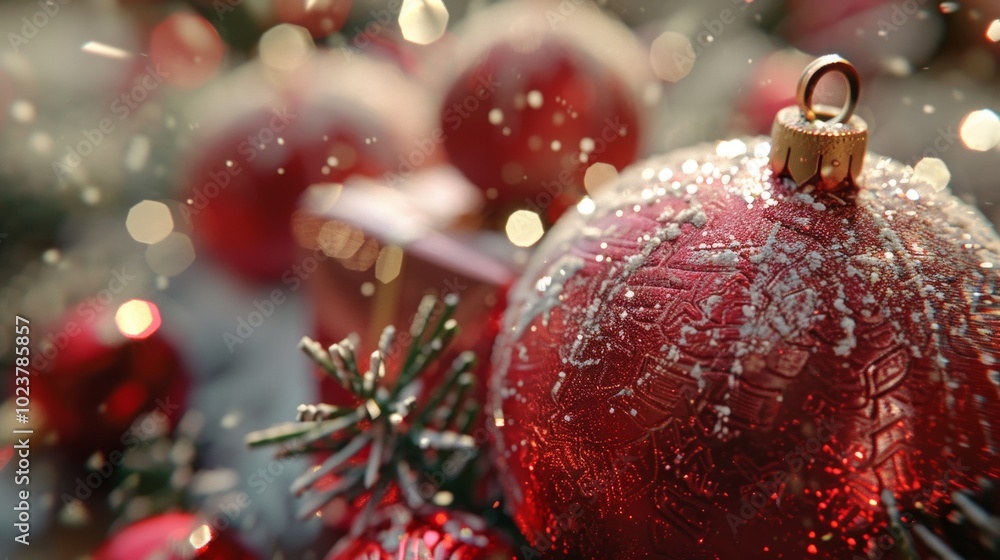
{"points": [[399, 432]]}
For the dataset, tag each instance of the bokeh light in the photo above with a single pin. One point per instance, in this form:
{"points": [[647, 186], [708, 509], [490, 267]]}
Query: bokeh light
{"points": [[340, 240], [389, 263], [980, 130], [524, 228], [932, 171], [993, 31], [285, 47], [672, 56], [599, 176], [423, 21], [149, 222], [138, 318], [171, 256]]}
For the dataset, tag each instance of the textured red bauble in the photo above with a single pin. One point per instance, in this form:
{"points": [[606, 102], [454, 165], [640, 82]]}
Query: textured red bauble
{"points": [[443, 534], [171, 536], [533, 108], [717, 363], [98, 383]]}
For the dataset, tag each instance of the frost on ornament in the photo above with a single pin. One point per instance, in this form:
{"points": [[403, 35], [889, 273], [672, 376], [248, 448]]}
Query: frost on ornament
{"points": [[719, 363]]}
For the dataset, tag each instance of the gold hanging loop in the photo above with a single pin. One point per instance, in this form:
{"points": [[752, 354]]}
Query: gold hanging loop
{"points": [[817, 144]]}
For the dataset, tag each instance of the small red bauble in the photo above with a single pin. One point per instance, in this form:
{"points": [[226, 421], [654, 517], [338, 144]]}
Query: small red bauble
{"points": [[94, 383], [717, 363], [534, 108], [243, 183], [443, 534], [186, 50], [171, 536]]}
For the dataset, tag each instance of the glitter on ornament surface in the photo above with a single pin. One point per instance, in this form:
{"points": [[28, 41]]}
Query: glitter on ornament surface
{"points": [[688, 369]]}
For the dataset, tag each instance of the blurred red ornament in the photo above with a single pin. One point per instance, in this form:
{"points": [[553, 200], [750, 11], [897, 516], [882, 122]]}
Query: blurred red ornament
{"points": [[93, 383], [261, 152], [320, 17], [186, 50], [719, 363], [533, 108], [444, 534], [171, 536]]}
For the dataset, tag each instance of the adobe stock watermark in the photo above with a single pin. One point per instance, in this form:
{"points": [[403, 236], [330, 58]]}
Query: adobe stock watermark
{"points": [[249, 150], [33, 24], [378, 21], [453, 117], [122, 107], [229, 511], [944, 140], [902, 12], [87, 310], [293, 279], [141, 430], [770, 486], [563, 11]]}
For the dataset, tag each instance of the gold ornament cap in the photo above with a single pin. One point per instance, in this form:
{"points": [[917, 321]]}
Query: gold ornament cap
{"points": [[817, 145]]}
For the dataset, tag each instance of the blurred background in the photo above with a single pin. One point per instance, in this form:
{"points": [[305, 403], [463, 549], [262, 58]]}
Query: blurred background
{"points": [[188, 188]]}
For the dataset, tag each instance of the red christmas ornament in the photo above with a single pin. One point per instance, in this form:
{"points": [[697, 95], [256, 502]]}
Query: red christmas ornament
{"points": [[186, 50], [442, 534], [171, 536], [243, 183], [94, 383], [762, 348], [534, 108]]}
